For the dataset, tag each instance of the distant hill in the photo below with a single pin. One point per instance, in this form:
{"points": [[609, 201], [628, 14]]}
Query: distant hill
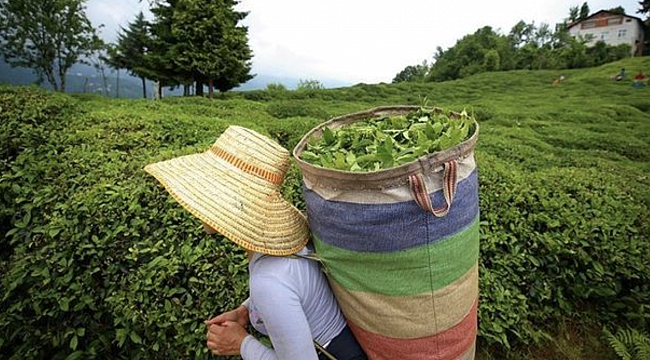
{"points": [[260, 81], [86, 79], [80, 79]]}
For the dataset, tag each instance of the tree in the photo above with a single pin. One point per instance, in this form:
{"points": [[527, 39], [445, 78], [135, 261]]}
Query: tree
{"points": [[116, 63], [543, 35], [584, 11], [275, 87], [48, 36], [210, 43], [467, 56], [574, 54], [645, 8], [602, 53], [619, 10], [99, 60], [412, 73], [574, 14], [310, 84], [521, 33], [579, 13], [526, 47], [236, 58], [132, 46], [166, 60], [492, 61]]}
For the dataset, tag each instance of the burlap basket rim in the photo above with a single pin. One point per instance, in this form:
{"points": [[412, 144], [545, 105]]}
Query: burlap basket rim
{"points": [[381, 179]]}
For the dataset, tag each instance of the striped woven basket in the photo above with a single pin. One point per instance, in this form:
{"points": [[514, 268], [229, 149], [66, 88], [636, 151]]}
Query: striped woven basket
{"points": [[400, 247]]}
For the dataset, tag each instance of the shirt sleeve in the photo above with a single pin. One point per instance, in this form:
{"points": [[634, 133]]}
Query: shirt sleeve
{"points": [[246, 303], [285, 321]]}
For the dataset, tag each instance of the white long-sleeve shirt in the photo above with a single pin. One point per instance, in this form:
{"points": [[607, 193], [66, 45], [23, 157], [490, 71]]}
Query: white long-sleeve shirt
{"points": [[291, 302]]}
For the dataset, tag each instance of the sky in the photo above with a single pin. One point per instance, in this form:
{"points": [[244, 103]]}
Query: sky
{"points": [[356, 41]]}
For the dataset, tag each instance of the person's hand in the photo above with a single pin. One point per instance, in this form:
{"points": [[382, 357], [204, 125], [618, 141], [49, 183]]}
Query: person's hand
{"points": [[239, 315], [225, 339]]}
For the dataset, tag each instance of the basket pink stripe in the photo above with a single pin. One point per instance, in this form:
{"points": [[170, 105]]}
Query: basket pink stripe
{"points": [[447, 345]]}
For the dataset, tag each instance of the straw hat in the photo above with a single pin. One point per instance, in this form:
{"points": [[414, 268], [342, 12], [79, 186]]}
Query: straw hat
{"points": [[234, 188]]}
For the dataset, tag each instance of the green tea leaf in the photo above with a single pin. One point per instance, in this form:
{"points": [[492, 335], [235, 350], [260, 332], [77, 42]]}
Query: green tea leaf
{"points": [[75, 355], [437, 128], [135, 337], [328, 136], [430, 132], [309, 156], [386, 141], [339, 161], [64, 304], [350, 158]]}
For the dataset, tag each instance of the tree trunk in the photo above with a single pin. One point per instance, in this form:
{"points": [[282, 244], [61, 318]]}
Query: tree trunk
{"points": [[186, 90], [117, 88], [85, 85], [144, 87], [52, 80], [105, 82], [62, 78], [199, 88], [210, 87]]}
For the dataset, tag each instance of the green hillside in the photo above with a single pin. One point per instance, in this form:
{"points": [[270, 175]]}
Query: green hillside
{"points": [[99, 262]]}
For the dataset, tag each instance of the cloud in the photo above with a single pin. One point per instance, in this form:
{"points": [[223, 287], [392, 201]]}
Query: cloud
{"points": [[372, 40], [358, 40], [114, 14]]}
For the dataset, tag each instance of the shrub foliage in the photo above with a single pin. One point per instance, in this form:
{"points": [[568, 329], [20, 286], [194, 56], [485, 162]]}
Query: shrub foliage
{"points": [[99, 262]]}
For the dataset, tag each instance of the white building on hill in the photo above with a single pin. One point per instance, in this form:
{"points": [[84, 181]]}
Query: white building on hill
{"points": [[613, 29]]}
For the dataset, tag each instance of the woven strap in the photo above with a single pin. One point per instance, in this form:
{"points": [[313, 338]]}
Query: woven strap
{"points": [[246, 167], [320, 348], [309, 256], [421, 194]]}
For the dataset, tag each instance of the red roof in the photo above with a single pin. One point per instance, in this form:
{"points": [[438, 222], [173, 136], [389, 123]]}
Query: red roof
{"points": [[570, 25]]}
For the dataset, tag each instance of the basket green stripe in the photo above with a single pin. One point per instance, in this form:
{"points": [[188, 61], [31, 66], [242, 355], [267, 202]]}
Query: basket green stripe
{"points": [[403, 273]]}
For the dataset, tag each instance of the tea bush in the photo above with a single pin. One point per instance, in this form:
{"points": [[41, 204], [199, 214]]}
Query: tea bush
{"points": [[558, 242], [103, 263], [98, 262]]}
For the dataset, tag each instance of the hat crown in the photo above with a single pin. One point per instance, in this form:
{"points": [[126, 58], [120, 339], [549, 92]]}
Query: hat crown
{"points": [[253, 150], [233, 188]]}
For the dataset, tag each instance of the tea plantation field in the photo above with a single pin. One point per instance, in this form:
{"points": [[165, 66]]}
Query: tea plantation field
{"points": [[98, 262]]}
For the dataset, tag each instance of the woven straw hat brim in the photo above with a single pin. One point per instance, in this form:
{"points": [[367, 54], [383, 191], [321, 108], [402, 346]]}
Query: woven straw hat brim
{"points": [[246, 209]]}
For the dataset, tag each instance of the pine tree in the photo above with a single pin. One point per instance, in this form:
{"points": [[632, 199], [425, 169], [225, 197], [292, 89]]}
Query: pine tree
{"points": [[584, 11], [210, 44], [48, 36], [236, 59], [645, 7], [574, 14], [130, 52], [165, 60]]}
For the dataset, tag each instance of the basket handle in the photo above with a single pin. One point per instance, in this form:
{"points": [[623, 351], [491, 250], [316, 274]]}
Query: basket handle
{"points": [[421, 194]]}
